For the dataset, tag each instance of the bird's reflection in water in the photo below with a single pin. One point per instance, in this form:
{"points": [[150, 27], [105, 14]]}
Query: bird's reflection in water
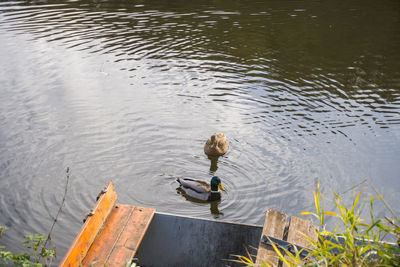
{"points": [[214, 209], [214, 163], [213, 204]]}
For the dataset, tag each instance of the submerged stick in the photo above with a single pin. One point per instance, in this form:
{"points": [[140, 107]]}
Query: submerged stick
{"points": [[58, 213]]}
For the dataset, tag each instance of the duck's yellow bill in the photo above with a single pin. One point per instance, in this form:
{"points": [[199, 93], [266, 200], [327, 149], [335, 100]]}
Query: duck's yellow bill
{"points": [[221, 187]]}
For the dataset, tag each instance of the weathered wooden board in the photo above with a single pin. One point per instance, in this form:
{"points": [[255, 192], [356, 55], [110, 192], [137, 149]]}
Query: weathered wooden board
{"points": [[104, 242], [129, 240], [121, 236], [90, 228], [274, 226], [298, 229]]}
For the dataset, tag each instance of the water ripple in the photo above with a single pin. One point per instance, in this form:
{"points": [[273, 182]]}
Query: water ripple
{"points": [[129, 91]]}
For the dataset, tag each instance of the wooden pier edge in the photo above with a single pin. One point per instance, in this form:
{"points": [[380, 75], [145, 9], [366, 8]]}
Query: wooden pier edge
{"points": [[90, 228], [294, 232], [274, 225], [123, 232], [111, 234], [298, 228]]}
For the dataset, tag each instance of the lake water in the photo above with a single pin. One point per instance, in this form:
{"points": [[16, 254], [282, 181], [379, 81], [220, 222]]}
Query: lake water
{"points": [[129, 91]]}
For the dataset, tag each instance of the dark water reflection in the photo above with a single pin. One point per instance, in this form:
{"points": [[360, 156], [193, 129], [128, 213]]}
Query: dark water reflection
{"points": [[131, 90]]}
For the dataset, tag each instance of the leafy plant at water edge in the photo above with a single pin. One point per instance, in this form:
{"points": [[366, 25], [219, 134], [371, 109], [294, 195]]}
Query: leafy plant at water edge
{"points": [[354, 241], [359, 242], [37, 258], [39, 255]]}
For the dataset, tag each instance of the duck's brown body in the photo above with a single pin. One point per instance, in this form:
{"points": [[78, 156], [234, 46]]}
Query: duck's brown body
{"points": [[216, 145]]}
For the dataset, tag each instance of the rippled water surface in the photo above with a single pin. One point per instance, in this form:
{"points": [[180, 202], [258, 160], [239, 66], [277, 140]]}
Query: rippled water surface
{"points": [[129, 91]]}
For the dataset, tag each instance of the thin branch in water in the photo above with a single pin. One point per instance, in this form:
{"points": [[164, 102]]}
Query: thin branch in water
{"points": [[354, 186], [58, 213]]}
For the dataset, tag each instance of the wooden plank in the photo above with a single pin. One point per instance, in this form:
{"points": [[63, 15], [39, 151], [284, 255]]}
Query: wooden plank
{"points": [[90, 228], [297, 229], [274, 226], [128, 242], [107, 238]]}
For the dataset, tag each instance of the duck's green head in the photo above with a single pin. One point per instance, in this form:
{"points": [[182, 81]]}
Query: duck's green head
{"points": [[216, 183]]}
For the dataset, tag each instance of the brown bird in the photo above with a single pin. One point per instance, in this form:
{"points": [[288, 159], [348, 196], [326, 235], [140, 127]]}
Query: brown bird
{"points": [[216, 145]]}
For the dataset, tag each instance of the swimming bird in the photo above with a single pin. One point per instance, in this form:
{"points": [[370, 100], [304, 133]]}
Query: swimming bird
{"points": [[216, 145], [200, 189]]}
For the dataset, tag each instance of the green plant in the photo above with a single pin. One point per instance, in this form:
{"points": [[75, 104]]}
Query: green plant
{"points": [[39, 255], [37, 258], [353, 242]]}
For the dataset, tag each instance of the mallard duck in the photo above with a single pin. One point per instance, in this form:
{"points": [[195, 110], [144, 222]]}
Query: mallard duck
{"points": [[200, 189], [216, 145]]}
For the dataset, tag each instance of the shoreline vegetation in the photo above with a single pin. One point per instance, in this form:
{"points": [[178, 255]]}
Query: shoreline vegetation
{"points": [[38, 255], [355, 241]]}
